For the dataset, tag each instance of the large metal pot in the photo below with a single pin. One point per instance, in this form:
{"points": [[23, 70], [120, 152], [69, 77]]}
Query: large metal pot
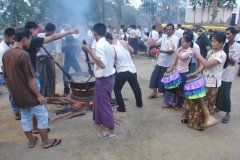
{"points": [[82, 82], [82, 87]]}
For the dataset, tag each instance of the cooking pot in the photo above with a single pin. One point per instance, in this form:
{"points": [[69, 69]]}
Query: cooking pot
{"points": [[81, 82]]}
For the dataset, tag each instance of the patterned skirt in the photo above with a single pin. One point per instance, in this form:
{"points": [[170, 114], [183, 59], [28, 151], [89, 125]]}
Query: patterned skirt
{"points": [[193, 110]]}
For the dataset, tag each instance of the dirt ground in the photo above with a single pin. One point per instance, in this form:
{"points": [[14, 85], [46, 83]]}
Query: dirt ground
{"points": [[148, 133]]}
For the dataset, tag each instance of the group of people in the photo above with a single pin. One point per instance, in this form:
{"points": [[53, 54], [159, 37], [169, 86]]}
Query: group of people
{"points": [[28, 69], [25, 68], [215, 59], [29, 73]]}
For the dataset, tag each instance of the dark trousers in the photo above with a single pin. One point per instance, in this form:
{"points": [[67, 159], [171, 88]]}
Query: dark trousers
{"points": [[121, 79], [67, 65], [133, 42], [155, 80]]}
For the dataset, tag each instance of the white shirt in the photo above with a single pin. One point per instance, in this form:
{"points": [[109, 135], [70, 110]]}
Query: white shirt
{"points": [[51, 47], [124, 61], [179, 33], [154, 35], [122, 36], [165, 60], [133, 33], [230, 73], [3, 48], [196, 49], [195, 36], [106, 53], [237, 37], [93, 46], [90, 34], [139, 33], [216, 70]]}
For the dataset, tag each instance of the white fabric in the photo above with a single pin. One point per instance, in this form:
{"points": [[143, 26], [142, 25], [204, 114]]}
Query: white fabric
{"points": [[154, 35], [230, 73], [195, 36], [139, 34], [216, 70], [179, 33], [93, 46], [51, 47], [122, 36], [3, 48], [237, 37], [133, 33], [196, 49], [165, 60], [106, 53], [124, 61]]}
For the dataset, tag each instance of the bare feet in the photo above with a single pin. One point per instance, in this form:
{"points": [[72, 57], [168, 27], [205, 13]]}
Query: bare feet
{"points": [[210, 122]]}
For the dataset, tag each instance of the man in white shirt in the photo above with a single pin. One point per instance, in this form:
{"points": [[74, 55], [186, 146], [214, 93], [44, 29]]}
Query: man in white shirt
{"points": [[179, 31], [126, 72], [104, 72], [165, 59], [5, 45], [229, 74], [154, 34]]}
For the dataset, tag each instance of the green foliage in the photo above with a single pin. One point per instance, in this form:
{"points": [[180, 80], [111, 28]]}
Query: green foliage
{"points": [[166, 9], [17, 12]]}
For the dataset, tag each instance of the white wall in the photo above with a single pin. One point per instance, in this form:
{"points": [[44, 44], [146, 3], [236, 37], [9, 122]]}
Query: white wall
{"points": [[223, 15]]}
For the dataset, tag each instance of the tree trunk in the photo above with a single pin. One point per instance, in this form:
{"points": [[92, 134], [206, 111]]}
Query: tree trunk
{"points": [[203, 8], [208, 14], [194, 20], [120, 8], [224, 15], [103, 11], [215, 8], [178, 11]]}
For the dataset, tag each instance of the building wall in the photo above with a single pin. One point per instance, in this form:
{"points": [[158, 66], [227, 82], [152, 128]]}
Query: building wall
{"points": [[205, 16]]}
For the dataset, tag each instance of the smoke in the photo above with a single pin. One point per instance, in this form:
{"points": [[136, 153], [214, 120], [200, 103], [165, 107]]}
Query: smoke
{"points": [[71, 14], [70, 11]]}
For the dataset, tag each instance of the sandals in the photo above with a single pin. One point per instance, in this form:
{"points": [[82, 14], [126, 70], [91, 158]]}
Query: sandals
{"points": [[54, 143], [184, 121], [152, 96], [167, 106], [106, 134], [35, 139], [225, 120]]}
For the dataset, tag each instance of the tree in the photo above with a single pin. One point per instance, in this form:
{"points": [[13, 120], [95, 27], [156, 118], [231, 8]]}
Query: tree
{"points": [[118, 5], [168, 10], [150, 6], [14, 13], [215, 4]]}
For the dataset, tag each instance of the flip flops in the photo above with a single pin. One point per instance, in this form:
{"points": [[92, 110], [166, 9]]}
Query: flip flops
{"points": [[54, 143], [152, 97], [225, 120], [35, 139], [106, 134], [184, 121]]}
